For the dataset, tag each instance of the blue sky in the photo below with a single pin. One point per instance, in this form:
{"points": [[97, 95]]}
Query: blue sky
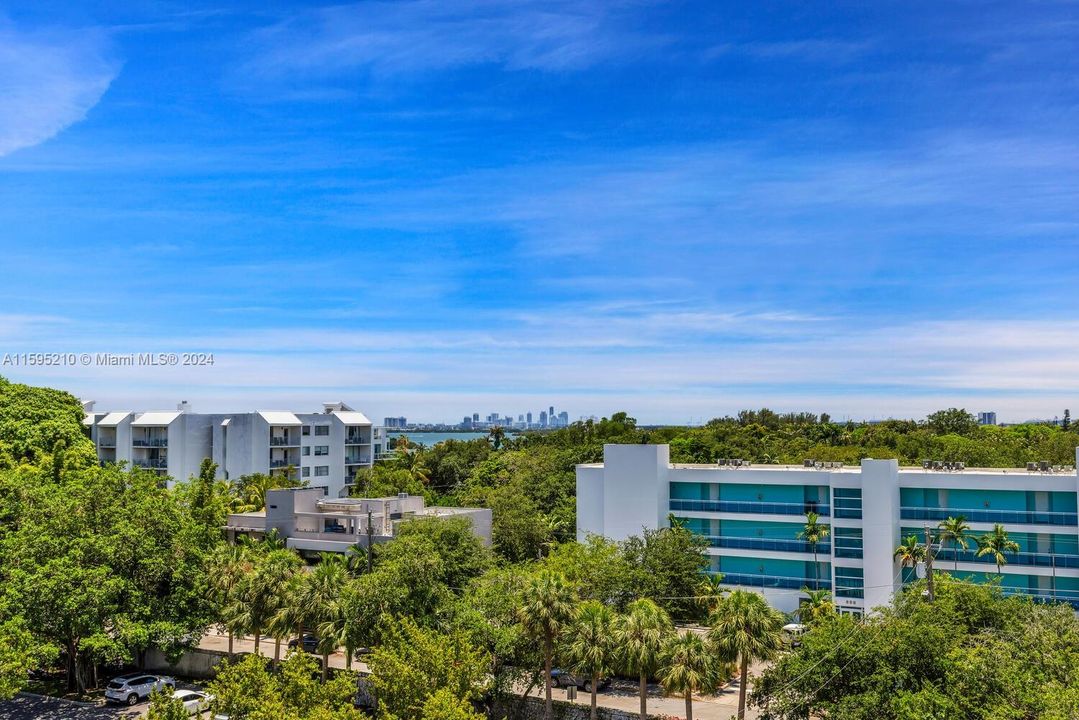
{"points": [[431, 207]]}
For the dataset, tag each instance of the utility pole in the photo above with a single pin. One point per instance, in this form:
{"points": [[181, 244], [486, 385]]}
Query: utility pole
{"points": [[929, 563], [370, 555]]}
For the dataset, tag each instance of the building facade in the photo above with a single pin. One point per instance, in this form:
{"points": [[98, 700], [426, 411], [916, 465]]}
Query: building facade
{"points": [[310, 521], [325, 448], [751, 516]]}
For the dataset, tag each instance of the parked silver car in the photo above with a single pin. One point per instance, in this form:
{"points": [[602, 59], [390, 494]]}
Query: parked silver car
{"points": [[132, 688]]}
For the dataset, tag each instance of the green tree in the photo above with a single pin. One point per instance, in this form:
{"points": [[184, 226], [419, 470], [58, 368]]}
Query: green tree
{"points": [[816, 606], [247, 689], [997, 545], [669, 565], [229, 566], [956, 531], [745, 629], [318, 593], [443, 705], [496, 435], [104, 567], [814, 532], [591, 648], [687, 666], [546, 609], [413, 664], [163, 706], [641, 634], [952, 421], [909, 553]]}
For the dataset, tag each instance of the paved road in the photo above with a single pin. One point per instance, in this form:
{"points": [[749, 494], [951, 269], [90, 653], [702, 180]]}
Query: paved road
{"points": [[32, 707]]}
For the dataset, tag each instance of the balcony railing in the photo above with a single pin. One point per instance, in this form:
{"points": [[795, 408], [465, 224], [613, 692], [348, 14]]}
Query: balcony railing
{"points": [[356, 440], [1021, 558], [775, 581], [740, 506], [279, 441], [357, 461], [283, 463], [743, 543], [150, 442], [847, 551], [1071, 597], [156, 464], [106, 443], [1025, 517]]}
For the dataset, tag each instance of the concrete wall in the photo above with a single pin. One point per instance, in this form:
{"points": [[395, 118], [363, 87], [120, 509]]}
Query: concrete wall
{"points": [[589, 501], [634, 489], [195, 663]]}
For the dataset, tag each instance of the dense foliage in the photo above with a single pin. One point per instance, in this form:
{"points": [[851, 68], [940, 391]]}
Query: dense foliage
{"points": [[971, 653]]}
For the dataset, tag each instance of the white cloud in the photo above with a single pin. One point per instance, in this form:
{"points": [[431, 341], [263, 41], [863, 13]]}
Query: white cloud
{"points": [[409, 36], [48, 81]]}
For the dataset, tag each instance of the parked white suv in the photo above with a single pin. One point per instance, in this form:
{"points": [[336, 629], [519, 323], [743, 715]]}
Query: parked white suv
{"points": [[132, 688]]}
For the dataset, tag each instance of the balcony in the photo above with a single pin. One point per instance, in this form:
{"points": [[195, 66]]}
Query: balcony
{"points": [[283, 441], [1024, 517], [101, 443], [153, 463], [283, 463], [774, 581], [149, 442], [357, 460], [740, 506], [742, 543], [1026, 559], [356, 440]]}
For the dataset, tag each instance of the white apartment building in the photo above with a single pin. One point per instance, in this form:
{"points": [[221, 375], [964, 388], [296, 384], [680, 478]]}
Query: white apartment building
{"points": [[311, 522], [324, 448], [751, 516]]}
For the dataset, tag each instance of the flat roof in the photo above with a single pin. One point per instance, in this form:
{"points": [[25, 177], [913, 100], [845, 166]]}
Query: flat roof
{"points": [[154, 419]]}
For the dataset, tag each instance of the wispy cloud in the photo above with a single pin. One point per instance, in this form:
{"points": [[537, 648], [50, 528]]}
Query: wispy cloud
{"points": [[412, 36], [49, 81]]}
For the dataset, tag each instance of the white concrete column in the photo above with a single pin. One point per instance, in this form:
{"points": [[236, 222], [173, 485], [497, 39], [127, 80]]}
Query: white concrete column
{"points": [[880, 530]]}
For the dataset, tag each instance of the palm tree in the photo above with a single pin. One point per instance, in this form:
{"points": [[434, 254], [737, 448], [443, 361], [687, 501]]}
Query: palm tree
{"points": [[687, 666], [996, 544], [546, 610], [496, 435], [813, 532], [956, 530], [710, 590], [592, 651], [230, 565], [286, 619], [261, 593], [744, 628], [641, 634], [318, 594], [817, 605], [910, 553]]}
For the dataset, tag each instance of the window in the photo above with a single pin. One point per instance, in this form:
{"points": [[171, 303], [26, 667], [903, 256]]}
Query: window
{"points": [[847, 542], [306, 450], [307, 472], [322, 430], [306, 430], [322, 470], [847, 502], [322, 449], [849, 582]]}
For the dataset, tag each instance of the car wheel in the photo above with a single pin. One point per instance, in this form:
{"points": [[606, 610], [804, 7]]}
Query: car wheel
{"points": [[132, 699], [588, 686]]}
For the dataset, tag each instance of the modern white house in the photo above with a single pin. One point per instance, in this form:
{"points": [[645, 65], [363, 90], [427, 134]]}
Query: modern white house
{"points": [[325, 448], [310, 521], [751, 516]]}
